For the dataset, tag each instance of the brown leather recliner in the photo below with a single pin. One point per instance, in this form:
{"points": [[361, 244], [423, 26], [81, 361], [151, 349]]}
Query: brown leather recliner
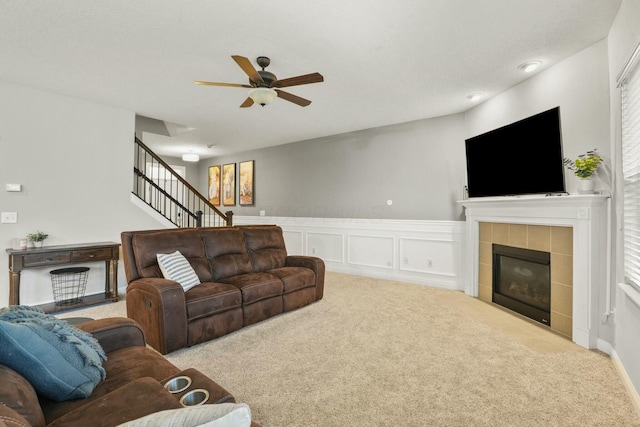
{"points": [[133, 387], [245, 273]]}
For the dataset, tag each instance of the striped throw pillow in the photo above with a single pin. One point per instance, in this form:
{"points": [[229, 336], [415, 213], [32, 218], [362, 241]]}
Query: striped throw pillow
{"points": [[174, 266]]}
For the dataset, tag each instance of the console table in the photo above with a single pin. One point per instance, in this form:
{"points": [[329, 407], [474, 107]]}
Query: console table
{"points": [[48, 256]]}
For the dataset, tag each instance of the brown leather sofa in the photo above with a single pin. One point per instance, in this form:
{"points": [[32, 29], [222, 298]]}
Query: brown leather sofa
{"points": [[245, 273], [133, 388]]}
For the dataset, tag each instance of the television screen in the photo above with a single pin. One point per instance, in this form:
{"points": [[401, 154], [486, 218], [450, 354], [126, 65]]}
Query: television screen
{"points": [[524, 157]]}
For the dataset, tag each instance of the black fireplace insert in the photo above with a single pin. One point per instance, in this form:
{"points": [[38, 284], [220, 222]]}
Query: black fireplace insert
{"points": [[522, 281]]}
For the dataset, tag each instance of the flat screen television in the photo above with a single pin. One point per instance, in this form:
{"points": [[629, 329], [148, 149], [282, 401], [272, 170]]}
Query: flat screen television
{"points": [[524, 157]]}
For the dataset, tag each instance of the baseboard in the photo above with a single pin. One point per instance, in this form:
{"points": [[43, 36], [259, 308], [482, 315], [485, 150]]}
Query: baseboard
{"points": [[633, 393], [604, 346]]}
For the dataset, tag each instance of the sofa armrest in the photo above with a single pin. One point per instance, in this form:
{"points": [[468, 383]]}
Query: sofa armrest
{"points": [[314, 263], [158, 305], [135, 399], [10, 418], [18, 400], [114, 333]]}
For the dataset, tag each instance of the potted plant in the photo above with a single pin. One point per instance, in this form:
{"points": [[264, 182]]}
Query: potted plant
{"points": [[37, 238], [583, 167]]}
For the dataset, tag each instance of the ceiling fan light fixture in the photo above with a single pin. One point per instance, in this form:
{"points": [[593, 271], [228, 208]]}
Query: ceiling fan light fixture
{"points": [[190, 157], [262, 95]]}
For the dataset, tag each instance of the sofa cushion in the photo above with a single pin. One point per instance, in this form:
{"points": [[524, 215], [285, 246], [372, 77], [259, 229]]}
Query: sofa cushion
{"points": [[266, 246], [216, 415], [211, 298], [60, 361], [147, 244], [256, 286], [295, 278], [226, 252], [174, 266]]}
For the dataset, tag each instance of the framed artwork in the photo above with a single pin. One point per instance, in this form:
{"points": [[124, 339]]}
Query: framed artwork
{"points": [[214, 185], [246, 183], [229, 184]]}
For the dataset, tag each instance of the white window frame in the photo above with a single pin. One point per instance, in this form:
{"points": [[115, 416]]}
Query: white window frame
{"points": [[629, 84]]}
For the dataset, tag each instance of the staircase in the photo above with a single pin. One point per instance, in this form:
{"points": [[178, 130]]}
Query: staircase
{"points": [[166, 192]]}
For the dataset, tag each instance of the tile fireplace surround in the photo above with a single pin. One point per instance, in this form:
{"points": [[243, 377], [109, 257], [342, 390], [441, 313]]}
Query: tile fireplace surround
{"points": [[585, 214]]}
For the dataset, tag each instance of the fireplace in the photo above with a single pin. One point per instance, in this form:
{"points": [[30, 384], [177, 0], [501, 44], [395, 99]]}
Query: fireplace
{"points": [[572, 228], [522, 281]]}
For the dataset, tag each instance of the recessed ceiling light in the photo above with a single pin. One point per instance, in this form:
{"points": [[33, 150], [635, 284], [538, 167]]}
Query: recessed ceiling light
{"points": [[475, 96], [530, 66]]}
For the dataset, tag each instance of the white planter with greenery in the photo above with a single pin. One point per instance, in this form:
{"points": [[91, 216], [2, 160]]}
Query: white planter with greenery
{"points": [[585, 186], [37, 238], [584, 167]]}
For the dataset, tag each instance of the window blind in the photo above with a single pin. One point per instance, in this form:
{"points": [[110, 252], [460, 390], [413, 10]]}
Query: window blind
{"points": [[630, 93]]}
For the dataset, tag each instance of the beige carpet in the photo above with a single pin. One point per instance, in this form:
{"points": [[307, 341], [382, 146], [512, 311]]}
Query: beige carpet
{"points": [[383, 353]]}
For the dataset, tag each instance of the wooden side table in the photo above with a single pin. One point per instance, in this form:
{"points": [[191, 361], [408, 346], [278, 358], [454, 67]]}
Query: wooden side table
{"points": [[22, 259]]}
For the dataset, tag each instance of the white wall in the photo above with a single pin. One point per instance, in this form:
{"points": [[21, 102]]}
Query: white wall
{"points": [[73, 159], [623, 36]]}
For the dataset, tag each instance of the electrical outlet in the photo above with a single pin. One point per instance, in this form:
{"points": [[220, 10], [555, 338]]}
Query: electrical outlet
{"points": [[406, 260], [9, 217], [429, 263]]}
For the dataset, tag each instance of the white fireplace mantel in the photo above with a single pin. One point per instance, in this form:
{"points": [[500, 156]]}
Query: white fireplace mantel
{"points": [[587, 214]]}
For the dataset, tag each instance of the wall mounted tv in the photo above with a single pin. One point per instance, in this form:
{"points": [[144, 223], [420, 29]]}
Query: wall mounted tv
{"points": [[524, 157]]}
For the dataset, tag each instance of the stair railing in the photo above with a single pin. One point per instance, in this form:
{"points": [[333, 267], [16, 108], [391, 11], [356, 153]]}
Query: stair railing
{"points": [[169, 194]]}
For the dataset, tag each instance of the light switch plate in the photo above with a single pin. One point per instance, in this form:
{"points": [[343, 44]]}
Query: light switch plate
{"points": [[9, 217], [14, 187]]}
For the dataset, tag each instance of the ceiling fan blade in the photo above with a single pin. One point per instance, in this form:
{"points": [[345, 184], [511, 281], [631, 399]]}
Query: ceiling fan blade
{"points": [[299, 80], [293, 98], [248, 68], [198, 82], [247, 103]]}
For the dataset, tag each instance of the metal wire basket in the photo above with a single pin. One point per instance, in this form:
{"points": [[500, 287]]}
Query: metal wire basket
{"points": [[69, 285]]}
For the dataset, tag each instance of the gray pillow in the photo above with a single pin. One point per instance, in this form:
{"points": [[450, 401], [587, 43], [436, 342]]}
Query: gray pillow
{"points": [[176, 267]]}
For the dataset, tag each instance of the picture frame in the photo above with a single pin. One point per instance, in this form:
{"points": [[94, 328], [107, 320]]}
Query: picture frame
{"points": [[214, 185], [247, 184], [228, 188]]}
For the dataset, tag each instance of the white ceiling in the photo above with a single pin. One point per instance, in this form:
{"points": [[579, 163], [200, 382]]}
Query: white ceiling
{"points": [[383, 61]]}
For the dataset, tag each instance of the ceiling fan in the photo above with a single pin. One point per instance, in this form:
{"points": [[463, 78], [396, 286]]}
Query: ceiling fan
{"points": [[265, 86]]}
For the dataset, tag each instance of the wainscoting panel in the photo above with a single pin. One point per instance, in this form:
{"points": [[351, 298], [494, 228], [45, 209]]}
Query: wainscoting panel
{"points": [[294, 241], [429, 256], [370, 251], [328, 246], [421, 252]]}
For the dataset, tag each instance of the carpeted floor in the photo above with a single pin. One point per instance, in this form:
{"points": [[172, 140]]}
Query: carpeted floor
{"points": [[383, 353]]}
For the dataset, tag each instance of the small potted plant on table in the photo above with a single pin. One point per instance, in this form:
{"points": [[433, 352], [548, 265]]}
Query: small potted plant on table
{"points": [[37, 238]]}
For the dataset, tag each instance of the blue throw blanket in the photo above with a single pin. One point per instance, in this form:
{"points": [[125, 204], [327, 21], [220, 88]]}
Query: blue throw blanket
{"points": [[60, 361]]}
